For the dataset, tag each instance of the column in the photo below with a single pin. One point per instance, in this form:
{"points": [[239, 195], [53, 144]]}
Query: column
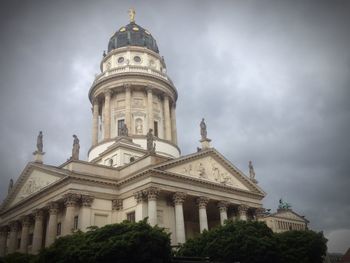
{"points": [[52, 225], [3, 240], [203, 220], [38, 231], [179, 199], [222, 205], [107, 115], [167, 118], [25, 234], [14, 226], [117, 207], [242, 211], [150, 108], [85, 212], [95, 111], [139, 209], [259, 213], [173, 123], [152, 195], [128, 107], [70, 201]]}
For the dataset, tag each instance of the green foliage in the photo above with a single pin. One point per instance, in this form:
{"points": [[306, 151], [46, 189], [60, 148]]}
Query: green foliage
{"points": [[235, 241], [302, 246], [17, 258], [254, 242], [125, 242]]}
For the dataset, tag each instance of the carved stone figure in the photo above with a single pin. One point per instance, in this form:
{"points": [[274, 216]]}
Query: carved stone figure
{"points": [[150, 141], [132, 14], [201, 171], [39, 142], [10, 186], [76, 147], [283, 205], [203, 127], [124, 130], [251, 170]]}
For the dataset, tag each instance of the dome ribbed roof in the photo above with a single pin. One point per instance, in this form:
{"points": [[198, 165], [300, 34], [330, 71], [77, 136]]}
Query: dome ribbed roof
{"points": [[132, 35]]}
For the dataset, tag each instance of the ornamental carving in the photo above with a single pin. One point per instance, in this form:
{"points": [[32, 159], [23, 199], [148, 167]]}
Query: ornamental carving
{"points": [[38, 214], [138, 196], [53, 208], [71, 199], [179, 198], [86, 200], [14, 226], [117, 204], [242, 209], [26, 221], [222, 205], [202, 201], [33, 185], [138, 103], [151, 193]]}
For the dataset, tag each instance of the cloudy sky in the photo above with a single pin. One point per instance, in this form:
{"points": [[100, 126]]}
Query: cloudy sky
{"points": [[271, 78]]}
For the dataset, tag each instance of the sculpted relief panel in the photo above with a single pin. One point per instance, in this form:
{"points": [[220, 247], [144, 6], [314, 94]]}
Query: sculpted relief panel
{"points": [[209, 169], [36, 181]]}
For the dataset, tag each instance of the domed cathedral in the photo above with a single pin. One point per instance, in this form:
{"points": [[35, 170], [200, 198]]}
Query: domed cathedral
{"points": [[133, 92], [134, 168]]}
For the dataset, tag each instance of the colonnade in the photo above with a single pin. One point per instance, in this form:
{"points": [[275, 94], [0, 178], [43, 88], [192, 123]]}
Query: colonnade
{"points": [[37, 221], [151, 195], [168, 105]]}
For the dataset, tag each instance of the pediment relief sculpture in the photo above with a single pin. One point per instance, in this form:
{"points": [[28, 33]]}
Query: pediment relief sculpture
{"points": [[209, 169]]}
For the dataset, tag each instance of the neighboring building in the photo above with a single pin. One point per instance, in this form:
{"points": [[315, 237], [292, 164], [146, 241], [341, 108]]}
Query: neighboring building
{"points": [[346, 257], [131, 172], [285, 219]]}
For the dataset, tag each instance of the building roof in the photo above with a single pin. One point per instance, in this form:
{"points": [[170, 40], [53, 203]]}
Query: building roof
{"points": [[132, 35], [346, 257]]}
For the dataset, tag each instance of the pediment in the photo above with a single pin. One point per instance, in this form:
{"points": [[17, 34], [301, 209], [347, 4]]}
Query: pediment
{"points": [[289, 215], [33, 179], [211, 166]]}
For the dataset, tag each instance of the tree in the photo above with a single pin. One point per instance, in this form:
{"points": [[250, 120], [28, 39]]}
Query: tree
{"points": [[125, 242], [302, 246], [235, 241]]}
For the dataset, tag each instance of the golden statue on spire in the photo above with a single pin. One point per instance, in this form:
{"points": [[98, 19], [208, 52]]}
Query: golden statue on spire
{"points": [[132, 13]]}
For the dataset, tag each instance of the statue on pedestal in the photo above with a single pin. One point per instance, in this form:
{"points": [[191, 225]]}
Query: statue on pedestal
{"points": [[283, 205], [124, 130], [39, 142], [251, 171], [76, 147], [203, 127]]}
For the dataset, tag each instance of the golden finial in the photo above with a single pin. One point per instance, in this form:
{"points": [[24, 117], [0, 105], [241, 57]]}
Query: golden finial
{"points": [[132, 15]]}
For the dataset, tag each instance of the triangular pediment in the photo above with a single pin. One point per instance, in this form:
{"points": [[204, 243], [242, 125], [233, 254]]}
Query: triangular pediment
{"points": [[211, 166], [289, 214], [32, 180]]}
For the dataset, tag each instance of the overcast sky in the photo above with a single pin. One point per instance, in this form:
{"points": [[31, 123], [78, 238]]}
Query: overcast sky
{"points": [[271, 78]]}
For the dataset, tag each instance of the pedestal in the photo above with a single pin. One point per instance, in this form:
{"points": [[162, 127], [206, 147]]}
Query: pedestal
{"points": [[205, 143], [38, 156]]}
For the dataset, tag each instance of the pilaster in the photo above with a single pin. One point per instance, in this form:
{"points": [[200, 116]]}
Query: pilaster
{"points": [[107, 115]]}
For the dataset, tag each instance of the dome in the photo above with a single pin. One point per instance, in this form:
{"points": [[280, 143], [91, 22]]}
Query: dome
{"points": [[132, 35]]}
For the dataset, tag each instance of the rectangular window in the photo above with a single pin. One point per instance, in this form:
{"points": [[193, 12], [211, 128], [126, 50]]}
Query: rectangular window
{"points": [[156, 128], [131, 217], [75, 225], [59, 226], [120, 126]]}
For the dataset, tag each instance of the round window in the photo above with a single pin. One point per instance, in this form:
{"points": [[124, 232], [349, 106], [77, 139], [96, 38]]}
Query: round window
{"points": [[137, 59], [120, 60]]}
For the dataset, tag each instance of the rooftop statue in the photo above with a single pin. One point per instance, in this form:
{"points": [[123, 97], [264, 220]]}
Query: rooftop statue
{"points": [[10, 186], [284, 205], [39, 142], [76, 147], [251, 170], [132, 15], [203, 127]]}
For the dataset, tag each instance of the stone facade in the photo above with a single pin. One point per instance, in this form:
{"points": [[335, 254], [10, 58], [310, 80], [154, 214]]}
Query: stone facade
{"points": [[121, 179]]}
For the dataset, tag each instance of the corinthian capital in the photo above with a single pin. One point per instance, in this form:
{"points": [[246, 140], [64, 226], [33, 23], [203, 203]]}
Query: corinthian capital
{"points": [[202, 201], [152, 193], [71, 199], [243, 209], [117, 204], [138, 196], [179, 198], [86, 200]]}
